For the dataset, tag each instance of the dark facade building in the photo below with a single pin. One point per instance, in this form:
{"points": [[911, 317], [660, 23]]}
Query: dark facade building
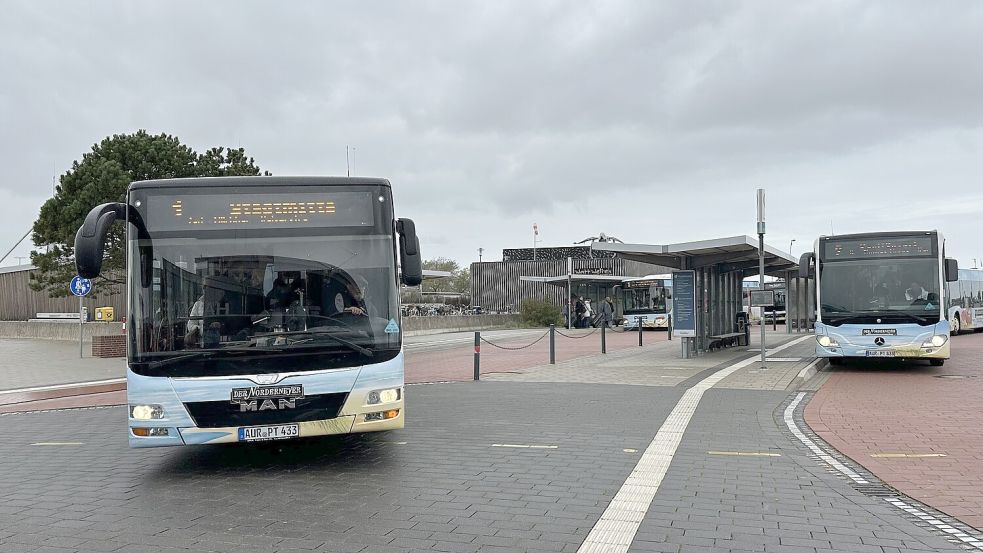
{"points": [[499, 285]]}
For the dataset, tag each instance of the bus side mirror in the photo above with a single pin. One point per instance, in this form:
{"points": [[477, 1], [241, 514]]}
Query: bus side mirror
{"points": [[951, 270], [805, 263], [410, 261], [90, 240]]}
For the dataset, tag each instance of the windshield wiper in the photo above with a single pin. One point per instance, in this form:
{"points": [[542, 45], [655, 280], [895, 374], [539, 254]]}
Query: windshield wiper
{"points": [[905, 314], [859, 317], [311, 334]]}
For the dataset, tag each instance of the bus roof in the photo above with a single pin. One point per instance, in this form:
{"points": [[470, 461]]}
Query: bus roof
{"points": [[877, 234], [971, 274], [649, 277], [259, 181]]}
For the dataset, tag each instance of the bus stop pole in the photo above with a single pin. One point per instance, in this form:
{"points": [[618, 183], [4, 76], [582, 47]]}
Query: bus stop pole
{"points": [[80, 328], [761, 263]]}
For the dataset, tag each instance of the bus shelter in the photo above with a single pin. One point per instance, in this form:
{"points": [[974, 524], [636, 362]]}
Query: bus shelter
{"points": [[720, 266]]}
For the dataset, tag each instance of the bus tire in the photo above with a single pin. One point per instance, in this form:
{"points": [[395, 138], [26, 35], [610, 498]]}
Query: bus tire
{"points": [[955, 325], [937, 362]]}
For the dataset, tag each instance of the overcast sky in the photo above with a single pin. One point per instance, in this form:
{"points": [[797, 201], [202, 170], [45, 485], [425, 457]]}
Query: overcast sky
{"points": [[650, 121]]}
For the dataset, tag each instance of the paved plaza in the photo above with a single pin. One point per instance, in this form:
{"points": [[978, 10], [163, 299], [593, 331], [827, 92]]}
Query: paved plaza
{"points": [[534, 457]]}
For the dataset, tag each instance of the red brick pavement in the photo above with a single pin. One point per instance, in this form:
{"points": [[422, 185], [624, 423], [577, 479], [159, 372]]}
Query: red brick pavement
{"points": [[867, 410], [452, 364]]}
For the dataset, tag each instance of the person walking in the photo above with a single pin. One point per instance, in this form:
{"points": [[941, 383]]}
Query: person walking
{"points": [[607, 312], [578, 309]]}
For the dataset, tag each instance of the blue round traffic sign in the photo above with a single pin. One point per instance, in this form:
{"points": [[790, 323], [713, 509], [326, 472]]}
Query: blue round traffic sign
{"points": [[81, 286]]}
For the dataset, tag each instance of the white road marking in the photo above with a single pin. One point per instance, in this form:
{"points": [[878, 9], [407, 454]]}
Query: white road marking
{"points": [[525, 446], [64, 386], [744, 453], [906, 455], [938, 524], [619, 522], [58, 443], [828, 459]]}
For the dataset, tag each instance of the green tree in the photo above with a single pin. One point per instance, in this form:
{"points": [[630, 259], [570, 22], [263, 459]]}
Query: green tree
{"points": [[102, 175], [440, 284]]}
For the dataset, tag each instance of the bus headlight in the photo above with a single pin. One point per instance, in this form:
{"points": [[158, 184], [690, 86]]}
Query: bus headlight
{"points": [[146, 412], [936, 341], [827, 342], [388, 395]]}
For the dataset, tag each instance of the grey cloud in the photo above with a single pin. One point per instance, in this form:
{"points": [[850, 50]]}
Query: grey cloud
{"points": [[643, 119]]}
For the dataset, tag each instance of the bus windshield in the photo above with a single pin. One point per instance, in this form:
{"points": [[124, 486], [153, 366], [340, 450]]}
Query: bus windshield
{"points": [[254, 299], [646, 299], [863, 290]]}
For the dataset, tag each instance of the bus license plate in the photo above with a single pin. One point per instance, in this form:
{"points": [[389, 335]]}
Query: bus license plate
{"points": [[271, 432], [882, 353]]}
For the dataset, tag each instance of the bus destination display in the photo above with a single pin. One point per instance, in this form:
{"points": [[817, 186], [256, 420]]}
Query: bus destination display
{"points": [[242, 211], [896, 246]]}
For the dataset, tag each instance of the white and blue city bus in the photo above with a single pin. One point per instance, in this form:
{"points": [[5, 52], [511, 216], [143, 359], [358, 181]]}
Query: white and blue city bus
{"points": [[647, 301], [966, 302], [881, 295], [259, 308]]}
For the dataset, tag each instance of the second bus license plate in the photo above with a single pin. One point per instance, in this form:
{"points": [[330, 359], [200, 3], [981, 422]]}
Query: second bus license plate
{"points": [[880, 353], [270, 432]]}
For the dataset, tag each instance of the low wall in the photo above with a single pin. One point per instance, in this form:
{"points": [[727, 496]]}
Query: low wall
{"points": [[57, 331], [456, 323], [109, 346]]}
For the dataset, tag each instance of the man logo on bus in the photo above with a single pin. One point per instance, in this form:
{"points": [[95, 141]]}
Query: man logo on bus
{"points": [[268, 405]]}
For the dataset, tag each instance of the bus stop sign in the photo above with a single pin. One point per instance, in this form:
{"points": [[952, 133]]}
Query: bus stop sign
{"points": [[762, 298], [81, 286]]}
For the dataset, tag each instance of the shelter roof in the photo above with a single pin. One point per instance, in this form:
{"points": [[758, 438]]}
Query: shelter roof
{"points": [[734, 253]]}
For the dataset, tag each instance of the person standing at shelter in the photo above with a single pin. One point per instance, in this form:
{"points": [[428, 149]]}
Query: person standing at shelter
{"points": [[607, 312], [588, 314], [579, 308]]}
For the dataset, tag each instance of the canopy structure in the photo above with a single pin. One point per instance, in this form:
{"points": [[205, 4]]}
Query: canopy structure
{"points": [[720, 266], [735, 253]]}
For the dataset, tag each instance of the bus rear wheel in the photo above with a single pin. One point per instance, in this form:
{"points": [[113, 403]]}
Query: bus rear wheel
{"points": [[937, 362], [955, 325]]}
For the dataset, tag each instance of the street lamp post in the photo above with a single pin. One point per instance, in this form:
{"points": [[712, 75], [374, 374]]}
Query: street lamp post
{"points": [[790, 242]]}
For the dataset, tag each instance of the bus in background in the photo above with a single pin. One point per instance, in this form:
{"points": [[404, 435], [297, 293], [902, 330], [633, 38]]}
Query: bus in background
{"points": [[647, 301], [966, 301], [880, 295], [260, 308], [775, 314]]}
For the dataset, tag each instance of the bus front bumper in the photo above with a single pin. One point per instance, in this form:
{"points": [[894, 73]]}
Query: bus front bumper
{"points": [[908, 343], [165, 418]]}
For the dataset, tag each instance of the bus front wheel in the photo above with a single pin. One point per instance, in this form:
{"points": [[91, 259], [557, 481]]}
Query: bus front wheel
{"points": [[937, 362]]}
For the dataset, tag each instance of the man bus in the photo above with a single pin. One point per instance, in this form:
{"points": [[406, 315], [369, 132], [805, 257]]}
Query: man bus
{"points": [[966, 302], [647, 301], [880, 295], [260, 308]]}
